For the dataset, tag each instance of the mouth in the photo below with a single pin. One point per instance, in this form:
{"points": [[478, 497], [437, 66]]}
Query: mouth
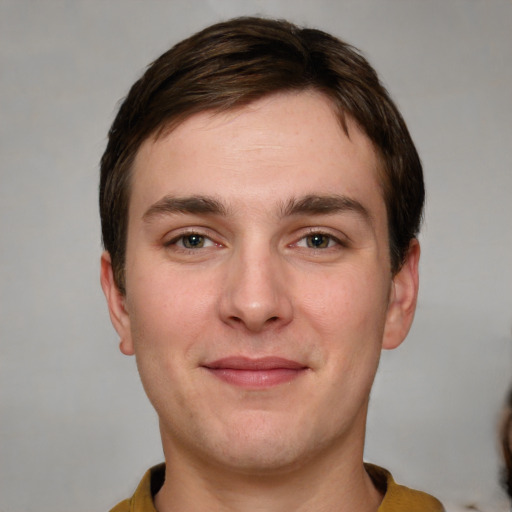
{"points": [[256, 373]]}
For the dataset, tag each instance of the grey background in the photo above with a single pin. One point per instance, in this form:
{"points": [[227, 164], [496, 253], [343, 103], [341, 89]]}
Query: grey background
{"points": [[76, 431]]}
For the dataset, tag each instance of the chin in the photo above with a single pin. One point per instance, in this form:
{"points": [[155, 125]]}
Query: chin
{"points": [[265, 448], [266, 458]]}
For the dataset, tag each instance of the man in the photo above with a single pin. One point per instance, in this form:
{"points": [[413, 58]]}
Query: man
{"points": [[260, 199]]}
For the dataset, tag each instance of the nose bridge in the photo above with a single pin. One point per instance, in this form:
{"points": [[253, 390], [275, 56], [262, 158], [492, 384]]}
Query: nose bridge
{"points": [[255, 294]]}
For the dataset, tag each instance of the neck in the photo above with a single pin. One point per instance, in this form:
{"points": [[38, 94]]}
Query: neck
{"points": [[334, 481]]}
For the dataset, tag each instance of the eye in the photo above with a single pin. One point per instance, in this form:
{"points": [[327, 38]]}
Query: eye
{"points": [[318, 241], [191, 241]]}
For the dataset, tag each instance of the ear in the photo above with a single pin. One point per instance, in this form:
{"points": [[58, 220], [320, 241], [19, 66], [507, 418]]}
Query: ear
{"points": [[116, 305], [402, 300]]}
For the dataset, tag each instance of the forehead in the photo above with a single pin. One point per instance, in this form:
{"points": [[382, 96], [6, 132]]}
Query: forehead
{"points": [[287, 143]]}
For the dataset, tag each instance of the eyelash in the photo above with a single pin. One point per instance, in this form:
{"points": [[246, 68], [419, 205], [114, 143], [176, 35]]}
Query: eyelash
{"points": [[182, 236], [318, 232], [332, 241]]}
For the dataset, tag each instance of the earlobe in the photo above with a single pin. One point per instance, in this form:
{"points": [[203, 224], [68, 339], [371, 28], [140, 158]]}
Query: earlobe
{"points": [[116, 305], [403, 297]]}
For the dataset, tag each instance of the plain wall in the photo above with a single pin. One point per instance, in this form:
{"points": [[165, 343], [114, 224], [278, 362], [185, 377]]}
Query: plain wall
{"points": [[76, 430]]}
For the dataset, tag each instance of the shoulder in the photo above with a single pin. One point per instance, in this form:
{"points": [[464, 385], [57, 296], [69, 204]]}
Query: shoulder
{"points": [[398, 498], [142, 499], [124, 506]]}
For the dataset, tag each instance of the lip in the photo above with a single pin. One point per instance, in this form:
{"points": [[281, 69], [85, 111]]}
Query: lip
{"points": [[255, 373]]}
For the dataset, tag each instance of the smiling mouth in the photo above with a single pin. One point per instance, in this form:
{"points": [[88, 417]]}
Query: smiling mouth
{"points": [[255, 373]]}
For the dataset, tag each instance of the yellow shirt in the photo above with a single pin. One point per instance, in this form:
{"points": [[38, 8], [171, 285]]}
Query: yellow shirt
{"points": [[397, 498]]}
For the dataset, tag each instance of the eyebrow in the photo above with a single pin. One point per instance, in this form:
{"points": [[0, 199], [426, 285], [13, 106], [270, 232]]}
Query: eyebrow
{"points": [[192, 205], [312, 204], [325, 205]]}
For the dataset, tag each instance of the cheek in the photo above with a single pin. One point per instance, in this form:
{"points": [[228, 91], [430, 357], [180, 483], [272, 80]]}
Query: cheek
{"points": [[167, 311], [166, 323], [349, 301]]}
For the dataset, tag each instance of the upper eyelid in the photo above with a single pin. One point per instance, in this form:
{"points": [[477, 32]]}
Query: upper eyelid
{"points": [[333, 233], [215, 237], [169, 239], [337, 240]]}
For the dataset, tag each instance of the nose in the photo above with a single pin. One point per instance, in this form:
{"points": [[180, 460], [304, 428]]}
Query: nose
{"points": [[255, 294]]}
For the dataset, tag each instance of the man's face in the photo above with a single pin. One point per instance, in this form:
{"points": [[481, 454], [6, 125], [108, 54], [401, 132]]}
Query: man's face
{"points": [[258, 284]]}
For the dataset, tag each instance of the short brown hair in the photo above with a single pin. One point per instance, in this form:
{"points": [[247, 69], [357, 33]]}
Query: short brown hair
{"points": [[233, 63]]}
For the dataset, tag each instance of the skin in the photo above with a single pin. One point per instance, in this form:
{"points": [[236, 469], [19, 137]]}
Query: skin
{"points": [[285, 255]]}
